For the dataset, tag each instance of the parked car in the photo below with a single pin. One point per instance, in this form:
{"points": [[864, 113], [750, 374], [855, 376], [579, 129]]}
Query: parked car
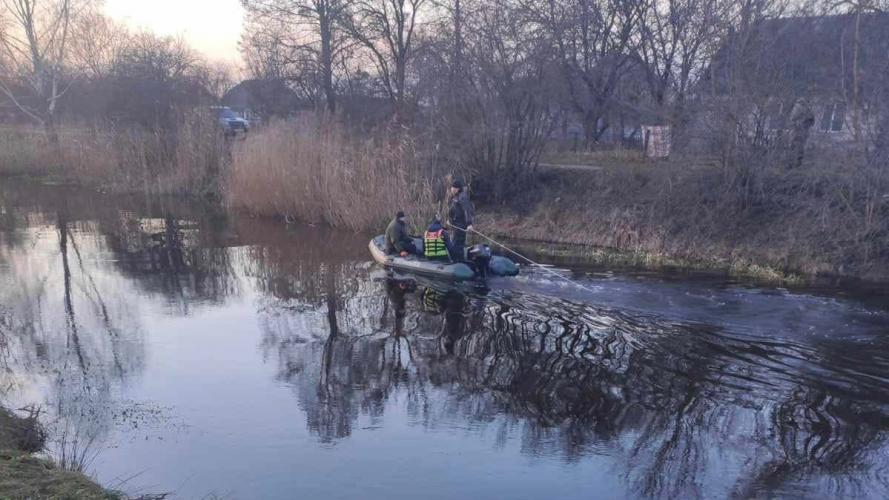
{"points": [[230, 122]]}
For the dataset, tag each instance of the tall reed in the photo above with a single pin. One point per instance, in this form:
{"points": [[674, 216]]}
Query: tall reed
{"points": [[187, 160], [315, 170]]}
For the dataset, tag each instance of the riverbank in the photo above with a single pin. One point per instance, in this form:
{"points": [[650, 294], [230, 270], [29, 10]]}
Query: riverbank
{"points": [[669, 217], [25, 474], [557, 248], [824, 220], [573, 235]]}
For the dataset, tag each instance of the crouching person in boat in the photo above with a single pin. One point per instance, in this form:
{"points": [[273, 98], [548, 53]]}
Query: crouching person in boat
{"points": [[397, 239], [436, 245]]}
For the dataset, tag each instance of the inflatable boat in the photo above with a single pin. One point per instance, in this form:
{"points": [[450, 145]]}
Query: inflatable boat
{"points": [[479, 263]]}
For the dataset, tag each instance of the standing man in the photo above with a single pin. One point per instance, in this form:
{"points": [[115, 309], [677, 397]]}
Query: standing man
{"points": [[397, 239], [460, 217]]}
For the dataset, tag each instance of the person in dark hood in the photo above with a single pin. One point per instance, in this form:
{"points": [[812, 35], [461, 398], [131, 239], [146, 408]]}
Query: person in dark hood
{"points": [[459, 217], [397, 239]]}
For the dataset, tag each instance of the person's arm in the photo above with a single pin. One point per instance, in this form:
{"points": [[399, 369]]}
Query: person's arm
{"points": [[466, 205], [446, 236], [399, 239]]}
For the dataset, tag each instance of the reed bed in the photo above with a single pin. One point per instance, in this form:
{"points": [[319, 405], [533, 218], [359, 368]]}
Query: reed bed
{"points": [[187, 160], [316, 170]]}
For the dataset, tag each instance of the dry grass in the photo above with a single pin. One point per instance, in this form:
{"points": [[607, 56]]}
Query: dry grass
{"points": [[187, 160], [316, 171], [25, 476], [815, 221], [567, 152]]}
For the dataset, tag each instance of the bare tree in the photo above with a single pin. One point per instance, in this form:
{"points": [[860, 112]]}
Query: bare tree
{"points": [[157, 57], [311, 33], [388, 30], [34, 42], [157, 78], [595, 43], [676, 37], [262, 47], [275, 60], [449, 28], [511, 75], [97, 44], [218, 77]]}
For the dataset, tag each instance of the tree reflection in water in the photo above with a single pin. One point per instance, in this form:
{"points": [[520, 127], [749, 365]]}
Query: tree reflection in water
{"points": [[691, 409], [75, 272], [681, 410]]}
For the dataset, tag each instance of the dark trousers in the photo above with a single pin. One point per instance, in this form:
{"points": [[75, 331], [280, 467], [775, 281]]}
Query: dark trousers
{"points": [[458, 242], [409, 247]]}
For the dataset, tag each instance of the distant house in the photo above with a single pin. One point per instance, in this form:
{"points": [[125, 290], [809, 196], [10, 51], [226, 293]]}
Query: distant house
{"points": [[262, 100], [797, 72]]}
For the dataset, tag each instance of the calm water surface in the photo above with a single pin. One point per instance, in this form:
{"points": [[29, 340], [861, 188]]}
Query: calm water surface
{"points": [[197, 353]]}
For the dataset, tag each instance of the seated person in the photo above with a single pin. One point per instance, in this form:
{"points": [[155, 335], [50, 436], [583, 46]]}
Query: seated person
{"points": [[397, 239], [436, 244]]}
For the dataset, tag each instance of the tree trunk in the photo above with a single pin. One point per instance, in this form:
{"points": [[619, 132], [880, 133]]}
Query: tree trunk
{"points": [[856, 83], [73, 333], [457, 65], [455, 86], [400, 75], [330, 279], [327, 61], [590, 127]]}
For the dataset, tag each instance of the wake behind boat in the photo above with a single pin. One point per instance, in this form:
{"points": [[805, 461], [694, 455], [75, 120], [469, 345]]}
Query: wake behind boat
{"points": [[480, 264]]}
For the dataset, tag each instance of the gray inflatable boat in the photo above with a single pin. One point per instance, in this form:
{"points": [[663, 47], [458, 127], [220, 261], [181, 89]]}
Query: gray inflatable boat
{"points": [[481, 263]]}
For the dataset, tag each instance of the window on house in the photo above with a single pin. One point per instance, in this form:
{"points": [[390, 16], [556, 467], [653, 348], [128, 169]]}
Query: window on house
{"points": [[833, 117]]}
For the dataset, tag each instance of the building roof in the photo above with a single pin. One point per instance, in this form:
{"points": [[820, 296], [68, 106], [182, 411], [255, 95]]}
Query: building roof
{"points": [[264, 97], [801, 55]]}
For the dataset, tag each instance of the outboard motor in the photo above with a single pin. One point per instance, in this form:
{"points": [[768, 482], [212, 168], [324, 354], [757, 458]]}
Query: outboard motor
{"points": [[479, 256]]}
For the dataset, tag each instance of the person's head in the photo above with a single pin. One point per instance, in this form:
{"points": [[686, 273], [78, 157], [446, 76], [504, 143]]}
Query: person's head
{"points": [[400, 216], [456, 186]]}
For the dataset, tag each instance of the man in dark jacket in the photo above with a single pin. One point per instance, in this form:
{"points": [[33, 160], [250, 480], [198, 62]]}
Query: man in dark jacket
{"points": [[397, 239], [460, 217]]}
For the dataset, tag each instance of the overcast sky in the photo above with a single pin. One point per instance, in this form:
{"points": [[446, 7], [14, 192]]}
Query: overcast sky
{"points": [[211, 26]]}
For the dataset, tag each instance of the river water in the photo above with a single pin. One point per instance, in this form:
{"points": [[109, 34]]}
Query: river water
{"points": [[175, 349]]}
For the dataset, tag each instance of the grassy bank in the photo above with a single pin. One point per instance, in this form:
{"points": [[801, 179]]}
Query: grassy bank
{"points": [[667, 216], [555, 246], [24, 474]]}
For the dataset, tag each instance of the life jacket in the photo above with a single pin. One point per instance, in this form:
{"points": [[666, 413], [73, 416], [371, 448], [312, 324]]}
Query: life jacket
{"points": [[434, 246], [432, 300]]}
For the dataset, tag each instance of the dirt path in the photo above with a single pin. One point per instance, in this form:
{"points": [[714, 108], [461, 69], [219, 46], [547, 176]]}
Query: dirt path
{"points": [[592, 168]]}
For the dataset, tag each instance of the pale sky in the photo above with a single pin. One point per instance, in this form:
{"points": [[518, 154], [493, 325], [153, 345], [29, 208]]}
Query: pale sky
{"points": [[213, 27]]}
